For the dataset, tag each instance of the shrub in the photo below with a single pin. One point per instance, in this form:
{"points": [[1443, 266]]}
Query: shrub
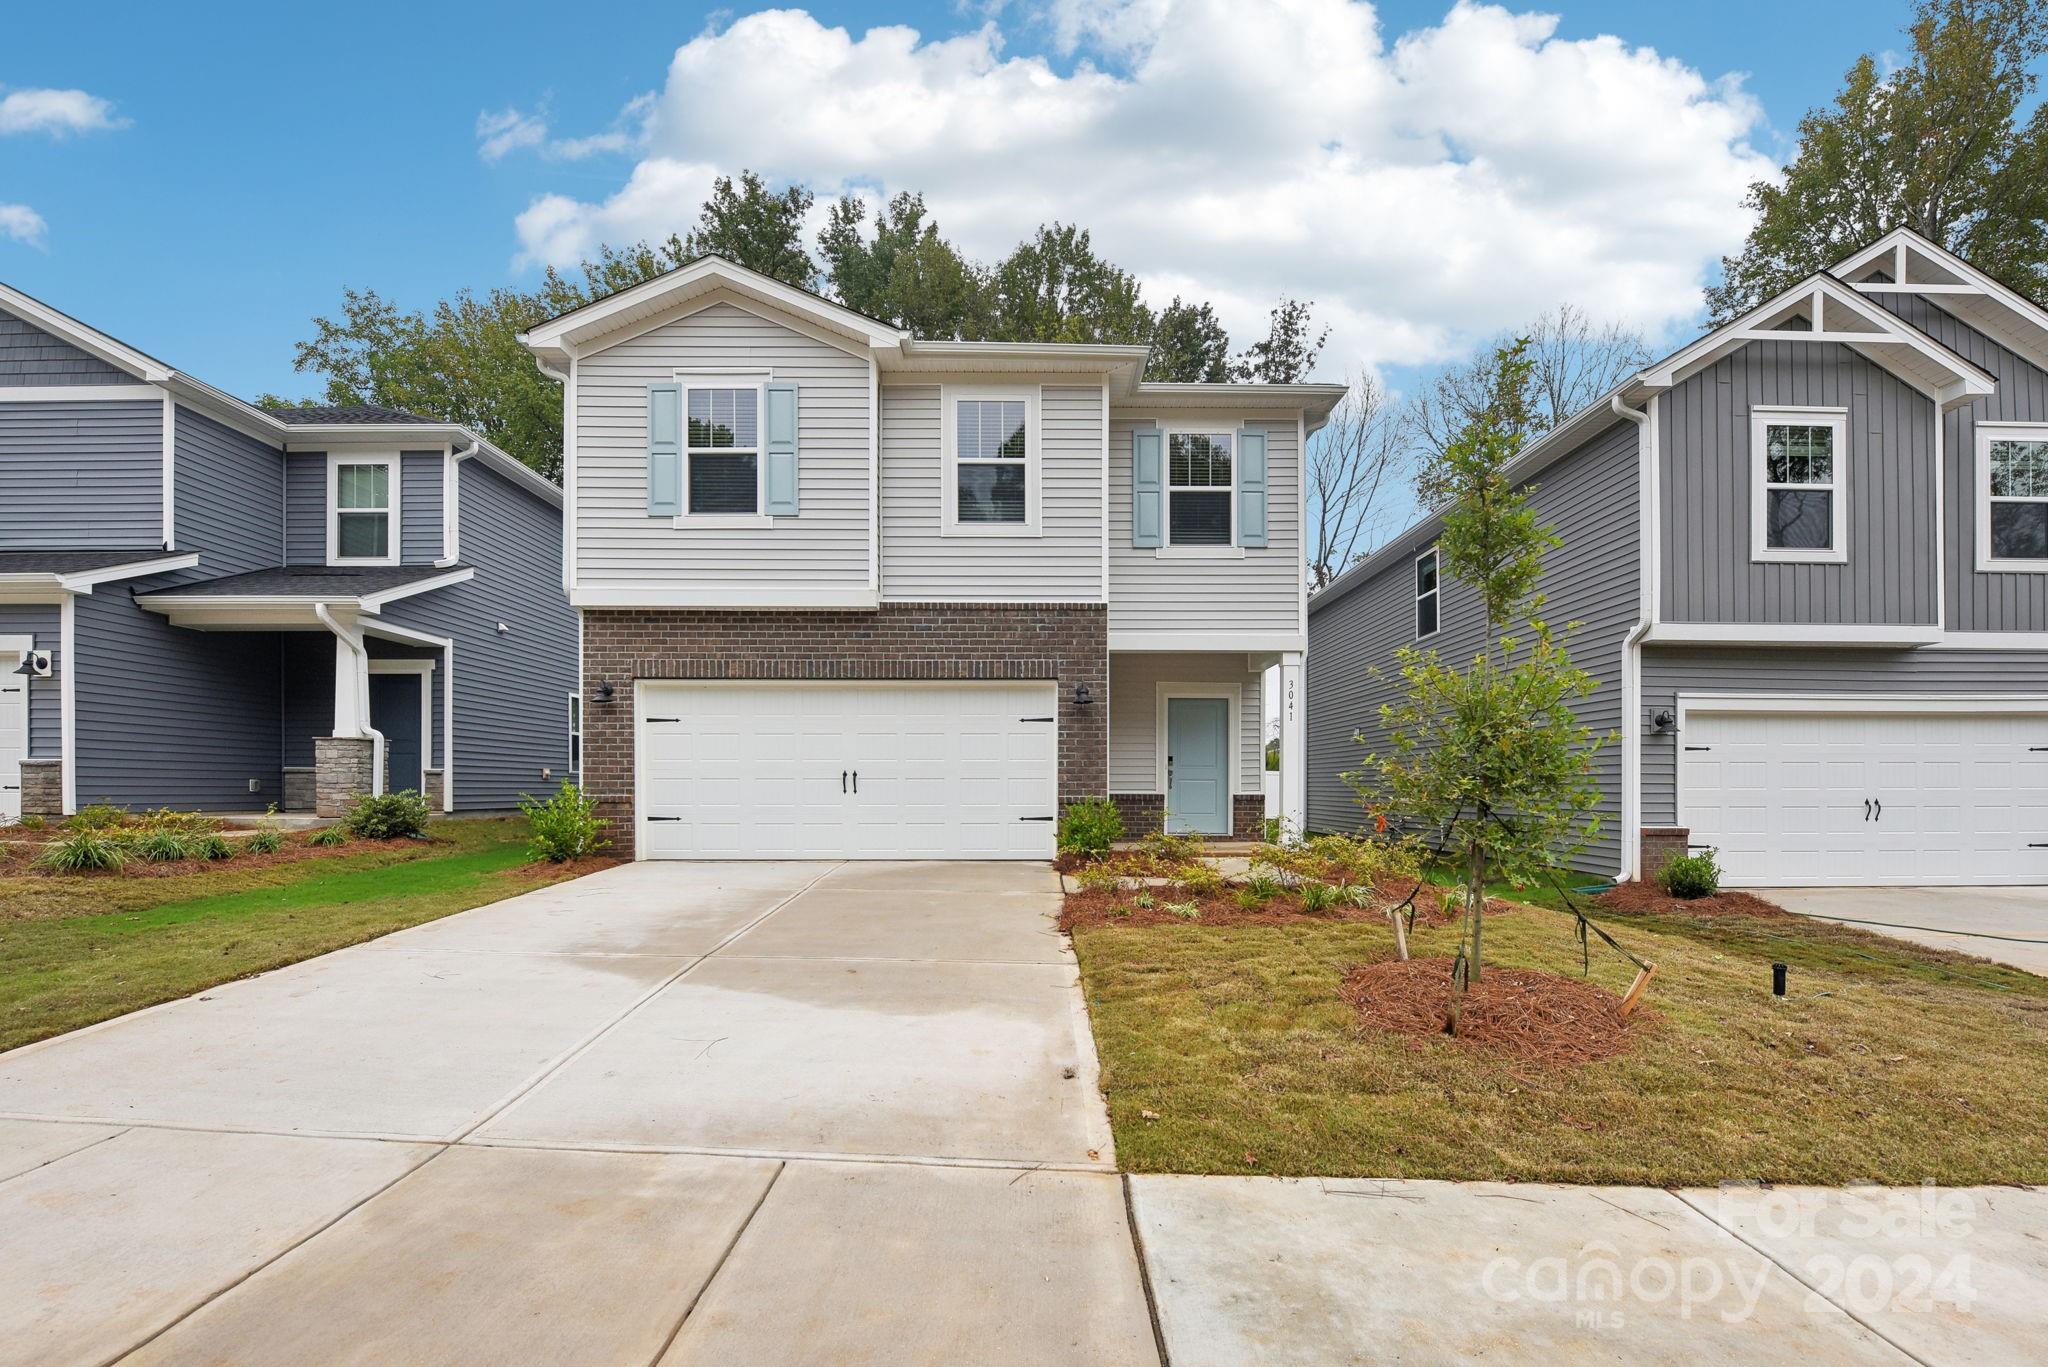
{"points": [[1187, 911], [1090, 827], [1249, 900], [389, 817], [564, 827], [97, 816], [177, 823], [33, 823], [1198, 880], [161, 847], [265, 842], [1342, 860], [1098, 878], [85, 849], [1691, 875], [328, 838], [1269, 830], [1173, 849], [1144, 901], [1263, 887], [1318, 898], [213, 846]]}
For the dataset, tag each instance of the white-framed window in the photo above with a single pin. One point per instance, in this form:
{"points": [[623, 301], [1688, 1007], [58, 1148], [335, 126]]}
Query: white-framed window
{"points": [[362, 509], [721, 448], [1201, 488], [1799, 486], [576, 735], [990, 442], [2012, 497], [1428, 594]]}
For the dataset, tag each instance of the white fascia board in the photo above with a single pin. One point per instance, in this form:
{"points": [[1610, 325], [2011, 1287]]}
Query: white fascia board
{"points": [[584, 324], [1196, 642], [85, 580], [89, 340], [795, 599], [81, 393], [1791, 634], [1862, 702], [1992, 640], [32, 588], [376, 602]]}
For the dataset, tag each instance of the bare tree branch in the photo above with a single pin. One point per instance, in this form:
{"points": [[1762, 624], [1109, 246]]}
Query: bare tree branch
{"points": [[1350, 464]]}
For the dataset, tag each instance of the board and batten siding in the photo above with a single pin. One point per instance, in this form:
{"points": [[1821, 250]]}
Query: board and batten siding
{"points": [[512, 687], [1980, 600], [81, 474], [618, 546], [1259, 593], [1063, 564], [1669, 671], [1708, 575], [39, 622], [30, 356], [1134, 679], [1590, 498]]}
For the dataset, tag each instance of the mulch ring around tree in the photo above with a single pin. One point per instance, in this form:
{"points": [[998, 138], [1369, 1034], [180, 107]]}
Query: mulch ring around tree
{"points": [[1639, 897], [1526, 1013]]}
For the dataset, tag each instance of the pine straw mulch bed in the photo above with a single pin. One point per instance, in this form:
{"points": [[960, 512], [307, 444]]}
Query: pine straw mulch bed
{"points": [[1637, 898], [1093, 908], [1536, 1017]]}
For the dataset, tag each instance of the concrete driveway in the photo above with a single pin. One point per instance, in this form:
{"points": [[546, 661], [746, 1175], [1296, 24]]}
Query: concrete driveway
{"points": [[2008, 925], [732, 1114]]}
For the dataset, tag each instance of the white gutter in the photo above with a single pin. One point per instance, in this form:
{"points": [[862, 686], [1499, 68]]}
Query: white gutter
{"points": [[360, 683], [451, 509]]}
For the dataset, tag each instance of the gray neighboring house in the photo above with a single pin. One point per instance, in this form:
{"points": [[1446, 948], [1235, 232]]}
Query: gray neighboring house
{"points": [[208, 606], [1810, 556]]}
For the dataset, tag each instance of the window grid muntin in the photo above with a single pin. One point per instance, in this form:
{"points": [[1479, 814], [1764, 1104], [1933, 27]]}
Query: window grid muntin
{"points": [[991, 453], [1200, 477], [722, 427], [2018, 468], [362, 500], [1799, 463], [1428, 594]]}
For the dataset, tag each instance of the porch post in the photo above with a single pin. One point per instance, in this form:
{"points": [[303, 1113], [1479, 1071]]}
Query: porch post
{"points": [[348, 692], [1293, 748]]}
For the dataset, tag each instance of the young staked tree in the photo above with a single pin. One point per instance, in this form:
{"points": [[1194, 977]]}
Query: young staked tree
{"points": [[1491, 757], [1937, 145]]}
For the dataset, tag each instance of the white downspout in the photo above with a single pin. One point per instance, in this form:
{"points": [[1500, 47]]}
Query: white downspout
{"points": [[451, 513], [1632, 654], [356, 717]]}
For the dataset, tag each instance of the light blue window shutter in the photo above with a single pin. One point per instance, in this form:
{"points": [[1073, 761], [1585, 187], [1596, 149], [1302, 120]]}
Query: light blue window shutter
{"points": [[1146, 479], [781, 449], [664, 450], [1251, 488]]}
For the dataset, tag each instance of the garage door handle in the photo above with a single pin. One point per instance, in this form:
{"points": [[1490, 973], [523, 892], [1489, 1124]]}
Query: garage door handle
{"points": [[664, 818], [1866, 809], [1699, 747], [1034, 818], [1880, 809], [856, 781], [842, 780]]}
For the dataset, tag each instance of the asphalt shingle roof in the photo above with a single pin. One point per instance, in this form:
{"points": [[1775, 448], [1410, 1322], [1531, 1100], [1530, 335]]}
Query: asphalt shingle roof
{"points": [[314, 581], [368, 414], [75, 561]]}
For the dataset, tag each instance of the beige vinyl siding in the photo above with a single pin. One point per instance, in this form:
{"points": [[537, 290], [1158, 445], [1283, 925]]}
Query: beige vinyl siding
{"points": [[1062, 564], [1261, 592], [1134, 680], [619, 546]]}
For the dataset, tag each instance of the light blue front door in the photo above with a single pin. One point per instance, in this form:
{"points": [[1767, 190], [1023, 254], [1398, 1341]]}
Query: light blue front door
{"points": [[1198, 765]]}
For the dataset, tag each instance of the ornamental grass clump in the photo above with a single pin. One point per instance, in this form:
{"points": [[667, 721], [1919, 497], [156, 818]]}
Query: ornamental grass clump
{"points": [[85, 849]]}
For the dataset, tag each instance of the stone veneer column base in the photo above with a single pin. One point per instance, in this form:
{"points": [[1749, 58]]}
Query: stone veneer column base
{"points": [[299, 789], [1662, 844], [341, 772], [1144, 813], [433, 780], [42, 787], [1066, 644]]}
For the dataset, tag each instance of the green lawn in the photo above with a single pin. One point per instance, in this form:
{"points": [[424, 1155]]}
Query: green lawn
{"points": [[1887, 1062], [78, 950]]}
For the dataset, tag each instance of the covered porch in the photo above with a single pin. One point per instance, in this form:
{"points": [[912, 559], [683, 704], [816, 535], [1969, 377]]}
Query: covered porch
{"points": [[1189, 733]]}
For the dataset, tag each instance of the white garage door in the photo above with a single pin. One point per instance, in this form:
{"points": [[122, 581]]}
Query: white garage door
{"points": [[1867, 797], [847, 771]]}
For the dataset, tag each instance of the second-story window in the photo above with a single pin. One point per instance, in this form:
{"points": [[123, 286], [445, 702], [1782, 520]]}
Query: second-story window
{"points": [[1199, 489], [1426, 594], [362, 509], [991, 458], [2012, 503], [722, 450], [1798, 510]]}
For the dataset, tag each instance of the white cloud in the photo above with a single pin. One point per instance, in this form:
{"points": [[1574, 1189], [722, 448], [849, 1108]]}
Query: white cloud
{"points": [[24, 225], [513, 130], [56, 112], [508, 130], [1423, 192]]}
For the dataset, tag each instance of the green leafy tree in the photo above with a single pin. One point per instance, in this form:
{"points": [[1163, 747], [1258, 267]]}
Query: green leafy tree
{"points": [[1491, 756], [906, 274], [1937, 146], [1189, 345], [1287, 353], [745, 222], [1054, 288]]}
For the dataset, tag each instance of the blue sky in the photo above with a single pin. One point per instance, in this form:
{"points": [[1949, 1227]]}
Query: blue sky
{"points": [[265, 156]]}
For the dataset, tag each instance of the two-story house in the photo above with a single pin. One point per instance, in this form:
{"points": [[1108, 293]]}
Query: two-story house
{"points": [[207, 605], [849, 593], [1809, 556]]}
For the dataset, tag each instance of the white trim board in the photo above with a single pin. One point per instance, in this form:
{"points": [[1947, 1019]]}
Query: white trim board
{"points": [[425, 670], [793, 599], [1836, 421], [395, 462], [1140, 641], [82, 393], [1792, 634], [1980, 493], [1689, 703]]}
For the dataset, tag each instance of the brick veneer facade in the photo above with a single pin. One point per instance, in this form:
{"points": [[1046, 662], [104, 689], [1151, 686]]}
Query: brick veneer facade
{"points": [[1661, 845], [1144, 813], [1067, 643]]}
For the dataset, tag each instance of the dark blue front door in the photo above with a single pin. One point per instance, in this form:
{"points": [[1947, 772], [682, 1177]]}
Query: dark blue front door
{"points": [[395, 710]]}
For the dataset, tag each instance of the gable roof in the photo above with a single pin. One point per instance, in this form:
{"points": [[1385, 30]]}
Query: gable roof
{"points": [[280, 428], [1906, 262]]}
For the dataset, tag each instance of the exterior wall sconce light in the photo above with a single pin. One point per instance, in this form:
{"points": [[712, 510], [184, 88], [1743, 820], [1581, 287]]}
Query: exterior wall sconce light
{"points": [[34, 665], [1664, 721], [605, 691], [1082, 697]]}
